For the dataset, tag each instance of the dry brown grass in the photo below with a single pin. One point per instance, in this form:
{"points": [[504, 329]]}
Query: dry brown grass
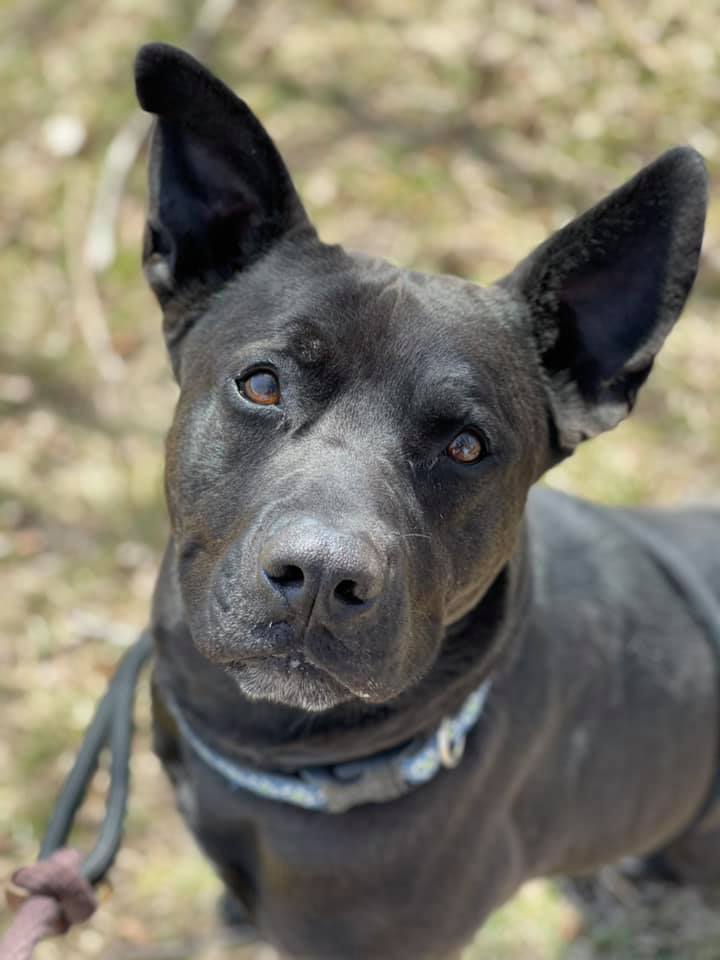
{"points": [[448, 136]]}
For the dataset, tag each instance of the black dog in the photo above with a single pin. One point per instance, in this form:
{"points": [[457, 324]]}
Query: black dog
{"points": [[357, 587]]}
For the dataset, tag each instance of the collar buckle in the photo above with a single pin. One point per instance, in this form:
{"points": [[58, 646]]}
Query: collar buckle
{"points": [[371, 783], [450, 743]]}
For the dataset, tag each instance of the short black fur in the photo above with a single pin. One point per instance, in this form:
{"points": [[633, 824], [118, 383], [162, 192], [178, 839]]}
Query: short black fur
{"points": [[335, 583]]}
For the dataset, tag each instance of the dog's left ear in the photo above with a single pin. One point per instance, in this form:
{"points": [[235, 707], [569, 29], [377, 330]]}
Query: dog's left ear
{"points": [[220, 194], [605, 290]]}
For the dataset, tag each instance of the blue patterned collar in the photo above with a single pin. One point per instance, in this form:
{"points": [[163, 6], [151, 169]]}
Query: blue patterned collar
{"points": [[337, 788]]}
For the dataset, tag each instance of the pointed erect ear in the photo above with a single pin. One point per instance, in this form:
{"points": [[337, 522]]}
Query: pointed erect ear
{"points": [[220, 194], [605, 291]]}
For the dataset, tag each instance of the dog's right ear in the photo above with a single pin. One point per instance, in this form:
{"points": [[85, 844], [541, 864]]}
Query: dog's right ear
{"points": [[220, 194]]}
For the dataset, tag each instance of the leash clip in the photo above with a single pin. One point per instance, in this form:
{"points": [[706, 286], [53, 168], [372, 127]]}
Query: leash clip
{"points": [[451, 745]]}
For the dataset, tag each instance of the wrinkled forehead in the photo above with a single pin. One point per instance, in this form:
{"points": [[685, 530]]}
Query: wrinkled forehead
{"points": [[370, 322]]}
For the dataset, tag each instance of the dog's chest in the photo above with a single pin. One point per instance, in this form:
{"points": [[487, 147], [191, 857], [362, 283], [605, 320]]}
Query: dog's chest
{"points": [[408, 878]]}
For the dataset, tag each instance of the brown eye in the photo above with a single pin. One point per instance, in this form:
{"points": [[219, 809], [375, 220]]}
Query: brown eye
{"points": [[261, 387], [467, 447]]}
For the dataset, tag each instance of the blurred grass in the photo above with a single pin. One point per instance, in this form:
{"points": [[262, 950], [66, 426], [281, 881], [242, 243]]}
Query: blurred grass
{"points": [[448, 137]]}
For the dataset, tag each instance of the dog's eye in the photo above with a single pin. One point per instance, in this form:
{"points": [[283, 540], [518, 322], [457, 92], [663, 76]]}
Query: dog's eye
{"points": [[468, 446], [262, 387]]}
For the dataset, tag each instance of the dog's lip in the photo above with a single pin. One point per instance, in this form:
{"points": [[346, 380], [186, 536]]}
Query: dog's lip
{"points": [[290, 660], [293, 659]]}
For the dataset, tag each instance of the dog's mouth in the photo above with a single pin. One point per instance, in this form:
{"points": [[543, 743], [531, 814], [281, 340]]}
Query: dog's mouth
{"points": [[290, 679]]}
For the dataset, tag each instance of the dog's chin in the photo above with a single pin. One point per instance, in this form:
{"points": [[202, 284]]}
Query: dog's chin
{"points": [[290, 681]]}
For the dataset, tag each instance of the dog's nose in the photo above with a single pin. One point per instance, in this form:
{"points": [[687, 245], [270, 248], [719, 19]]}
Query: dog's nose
{"points": [[321, 571]]}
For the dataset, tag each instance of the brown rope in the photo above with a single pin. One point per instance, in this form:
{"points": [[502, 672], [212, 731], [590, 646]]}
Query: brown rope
{"points": [[50, 896]]}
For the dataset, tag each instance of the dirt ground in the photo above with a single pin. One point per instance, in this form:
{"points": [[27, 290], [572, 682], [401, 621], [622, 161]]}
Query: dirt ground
{"points": [[449, 136]]}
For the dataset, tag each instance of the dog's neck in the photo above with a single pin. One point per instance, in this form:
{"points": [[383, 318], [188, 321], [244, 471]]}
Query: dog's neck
{"points": [[280, 738]]}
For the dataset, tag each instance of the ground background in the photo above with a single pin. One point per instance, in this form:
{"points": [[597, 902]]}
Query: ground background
{"points": [[450, 136]]}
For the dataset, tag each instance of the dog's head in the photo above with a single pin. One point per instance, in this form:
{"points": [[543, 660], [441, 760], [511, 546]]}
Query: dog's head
{"points": [[353, 442]]}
